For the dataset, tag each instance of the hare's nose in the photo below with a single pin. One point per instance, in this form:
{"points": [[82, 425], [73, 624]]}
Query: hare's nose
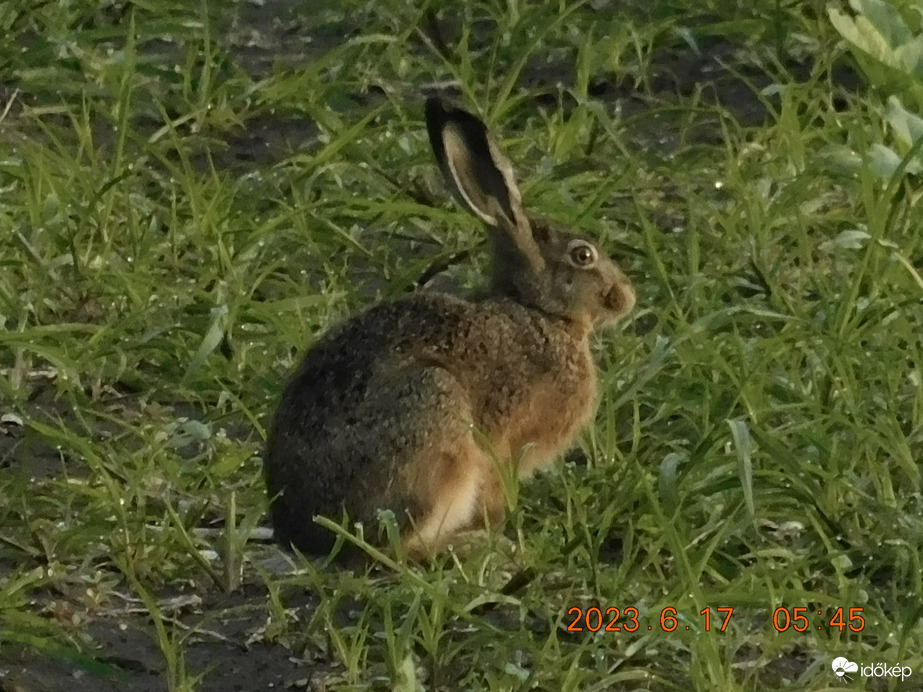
{"points": [[620, 298]]}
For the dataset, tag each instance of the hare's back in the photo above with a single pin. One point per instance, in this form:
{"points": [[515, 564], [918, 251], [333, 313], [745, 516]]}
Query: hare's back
{"points": [[337, 371], [480, 344]]}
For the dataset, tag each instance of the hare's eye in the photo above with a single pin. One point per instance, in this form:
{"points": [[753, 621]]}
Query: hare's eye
{"points": [[581, 254]]}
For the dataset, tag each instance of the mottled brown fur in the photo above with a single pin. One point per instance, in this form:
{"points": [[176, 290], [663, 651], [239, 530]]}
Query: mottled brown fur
{"points": [[415, 405]]}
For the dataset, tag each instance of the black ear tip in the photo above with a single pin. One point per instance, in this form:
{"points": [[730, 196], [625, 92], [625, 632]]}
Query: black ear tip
{"points": [[435, 117], [438, 112], [434, 108]]}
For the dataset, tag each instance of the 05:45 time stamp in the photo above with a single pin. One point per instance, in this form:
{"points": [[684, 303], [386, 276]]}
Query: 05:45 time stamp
{"points": [[594, 619]]}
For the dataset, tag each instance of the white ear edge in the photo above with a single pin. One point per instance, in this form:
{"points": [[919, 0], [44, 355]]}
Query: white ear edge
{"points": [[509, 177], [457, 156]]}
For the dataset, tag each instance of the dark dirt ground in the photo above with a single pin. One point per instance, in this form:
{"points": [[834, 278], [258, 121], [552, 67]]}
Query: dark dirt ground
{"points": [[224, 641]]}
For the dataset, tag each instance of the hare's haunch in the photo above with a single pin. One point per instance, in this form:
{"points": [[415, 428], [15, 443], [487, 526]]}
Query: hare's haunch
{"points": [[421, 404]]}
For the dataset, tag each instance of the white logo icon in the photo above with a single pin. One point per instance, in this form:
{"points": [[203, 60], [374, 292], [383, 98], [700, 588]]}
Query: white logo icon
{"points": [[841, 666]]}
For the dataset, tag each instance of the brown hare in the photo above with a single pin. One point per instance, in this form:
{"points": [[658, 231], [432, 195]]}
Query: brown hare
{"points": [[420, 405]]}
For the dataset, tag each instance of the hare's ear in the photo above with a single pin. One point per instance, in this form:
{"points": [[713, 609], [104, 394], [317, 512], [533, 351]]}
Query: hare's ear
{"points": [[480, 174]]}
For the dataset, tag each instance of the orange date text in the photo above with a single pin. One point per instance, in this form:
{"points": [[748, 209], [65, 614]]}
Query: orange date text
{"points": [[628, 619]]}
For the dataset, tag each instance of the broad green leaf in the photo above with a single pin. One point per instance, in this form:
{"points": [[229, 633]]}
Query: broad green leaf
{"points": [[884, 161], [886, 20], [862, 34], [909, 57], [907, 126], [853, 239]]}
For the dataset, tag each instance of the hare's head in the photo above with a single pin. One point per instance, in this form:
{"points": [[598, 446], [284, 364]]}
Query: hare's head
{"points": [[545, 268]]}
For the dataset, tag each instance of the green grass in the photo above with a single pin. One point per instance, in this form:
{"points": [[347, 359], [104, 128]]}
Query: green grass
{"points": [[190, 193]]}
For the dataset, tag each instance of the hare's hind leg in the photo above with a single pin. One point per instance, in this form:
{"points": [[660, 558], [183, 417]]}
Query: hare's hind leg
{"points": [[453, 483], [446, 473]]}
